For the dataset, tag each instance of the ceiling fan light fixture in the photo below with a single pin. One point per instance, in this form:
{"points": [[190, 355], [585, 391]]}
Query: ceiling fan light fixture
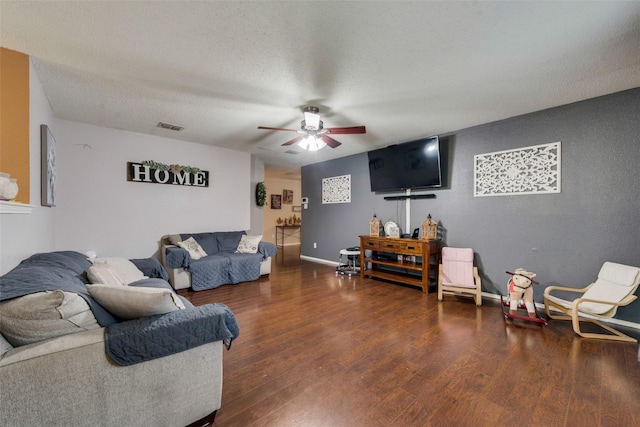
{"points": [[311, 143], [312, 134]]}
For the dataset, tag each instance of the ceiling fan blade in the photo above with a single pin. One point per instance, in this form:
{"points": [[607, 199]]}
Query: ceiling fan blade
{"points": [[347, 130], [330, 141], [294, 140], [268, 128]]}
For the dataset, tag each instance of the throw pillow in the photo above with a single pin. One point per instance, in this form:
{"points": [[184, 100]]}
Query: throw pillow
{"points": [[125, 268], [43, 315], [103, 273], [249, 244], [129, 303], [193, 247]]}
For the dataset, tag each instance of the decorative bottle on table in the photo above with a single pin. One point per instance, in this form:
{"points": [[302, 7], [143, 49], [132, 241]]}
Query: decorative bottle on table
{"points": [[374, 226]]}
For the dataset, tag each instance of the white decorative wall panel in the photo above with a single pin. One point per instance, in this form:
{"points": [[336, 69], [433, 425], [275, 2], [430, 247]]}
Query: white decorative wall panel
{"points": [[528, 170], [336, 189]]}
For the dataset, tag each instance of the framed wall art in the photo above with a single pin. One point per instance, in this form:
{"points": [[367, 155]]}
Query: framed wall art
{"points": [[276, 201], [528, 170], [336, 189], [287, 197], [48, 167]]}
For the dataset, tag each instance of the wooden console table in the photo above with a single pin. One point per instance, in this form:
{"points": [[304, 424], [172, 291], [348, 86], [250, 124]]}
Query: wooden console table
{"points": [[290, 231], [392, 253]]}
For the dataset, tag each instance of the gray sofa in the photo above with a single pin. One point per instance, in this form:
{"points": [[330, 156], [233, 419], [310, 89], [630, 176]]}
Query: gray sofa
{"points": [[224, 262], [75, 379]]}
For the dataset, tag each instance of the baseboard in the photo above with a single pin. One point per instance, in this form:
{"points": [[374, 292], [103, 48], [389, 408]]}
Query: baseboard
{"points": [[539, 305], [319, 260]]}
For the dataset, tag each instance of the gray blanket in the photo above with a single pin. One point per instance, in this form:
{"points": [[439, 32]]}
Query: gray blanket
{"points": [[153, 337], [223, 265], [62, 270], [224, 268]]}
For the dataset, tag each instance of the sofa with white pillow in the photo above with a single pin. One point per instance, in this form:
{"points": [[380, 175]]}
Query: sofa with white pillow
{"points": [[207, 260], [92, 342]]}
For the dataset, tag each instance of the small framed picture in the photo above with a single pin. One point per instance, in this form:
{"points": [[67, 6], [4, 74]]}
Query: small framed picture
{"points": [[48, 165], [276, 201], [287, 197], [296, 208]]}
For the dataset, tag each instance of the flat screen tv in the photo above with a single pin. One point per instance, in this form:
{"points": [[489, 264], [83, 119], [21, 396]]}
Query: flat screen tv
{"points": [[414, 164]]}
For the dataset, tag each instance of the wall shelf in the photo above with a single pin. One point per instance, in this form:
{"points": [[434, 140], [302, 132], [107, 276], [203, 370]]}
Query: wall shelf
{"points": [[15, 208]]}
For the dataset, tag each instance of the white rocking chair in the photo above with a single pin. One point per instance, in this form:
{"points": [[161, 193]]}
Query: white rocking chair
{"points": [[614, 287]]}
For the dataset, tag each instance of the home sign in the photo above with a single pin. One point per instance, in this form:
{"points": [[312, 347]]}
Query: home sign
{"points": [[175, 175]]}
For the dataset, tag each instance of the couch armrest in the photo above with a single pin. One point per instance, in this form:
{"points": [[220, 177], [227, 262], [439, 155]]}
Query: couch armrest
{"points": [[176, 257], [63, 343], [173, 390], [151, 267], [267, 249]]}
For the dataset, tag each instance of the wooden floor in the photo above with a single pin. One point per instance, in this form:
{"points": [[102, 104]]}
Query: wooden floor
{"points": [[320, 350]]}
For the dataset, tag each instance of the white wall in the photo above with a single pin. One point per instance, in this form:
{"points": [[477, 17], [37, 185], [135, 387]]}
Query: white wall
{"points": [[275, 186], [99, 210], [22, 235]]}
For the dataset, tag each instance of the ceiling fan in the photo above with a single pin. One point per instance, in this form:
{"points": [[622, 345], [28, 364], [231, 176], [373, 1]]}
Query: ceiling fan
{"points": [[313, 136]]}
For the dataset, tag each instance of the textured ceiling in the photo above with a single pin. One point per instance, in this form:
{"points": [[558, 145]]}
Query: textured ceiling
{"points": [[405, 70]]}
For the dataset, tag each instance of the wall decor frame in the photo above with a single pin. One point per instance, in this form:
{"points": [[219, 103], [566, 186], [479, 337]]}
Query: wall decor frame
{"points": [[336, 189], [287, 197], [261, 194], [276, 201], [48, 167], [157, 173], [521, 171]]}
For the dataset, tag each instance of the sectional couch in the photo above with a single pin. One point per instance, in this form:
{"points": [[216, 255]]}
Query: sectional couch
{"points": [[66, 360], [207, 260]]}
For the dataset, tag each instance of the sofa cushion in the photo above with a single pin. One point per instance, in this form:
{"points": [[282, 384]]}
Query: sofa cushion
{"points": [[103, 273], [127, 302], [248, 244], [193, 247], [125, 268], [210, 272], [43, 315], [244, 267], [228, 240]]}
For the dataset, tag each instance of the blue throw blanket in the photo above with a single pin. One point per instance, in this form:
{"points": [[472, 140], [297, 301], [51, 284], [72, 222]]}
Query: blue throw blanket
{"points": [[153, 337], [222, 265], [51, 271]]}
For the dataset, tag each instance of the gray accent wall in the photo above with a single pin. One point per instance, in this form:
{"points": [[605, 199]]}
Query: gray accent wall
{"points": [[564, 238]]}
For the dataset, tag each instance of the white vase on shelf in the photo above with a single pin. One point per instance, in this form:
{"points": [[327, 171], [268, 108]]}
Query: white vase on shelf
{"points": [[8, 187]]}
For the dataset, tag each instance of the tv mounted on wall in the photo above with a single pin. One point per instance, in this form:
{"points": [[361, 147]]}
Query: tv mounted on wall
{"points": [[414, 164]]}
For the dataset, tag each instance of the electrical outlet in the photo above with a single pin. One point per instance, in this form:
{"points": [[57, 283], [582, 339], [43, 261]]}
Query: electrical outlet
{"points": [[315, 245]]}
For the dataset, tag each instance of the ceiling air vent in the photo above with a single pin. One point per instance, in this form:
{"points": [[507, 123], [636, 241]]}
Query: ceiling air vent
{"points": [[170, 126], [292, 152]]}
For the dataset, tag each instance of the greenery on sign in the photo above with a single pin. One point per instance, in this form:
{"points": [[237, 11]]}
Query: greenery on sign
{"points": [[261, 194], [176, 169]]}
